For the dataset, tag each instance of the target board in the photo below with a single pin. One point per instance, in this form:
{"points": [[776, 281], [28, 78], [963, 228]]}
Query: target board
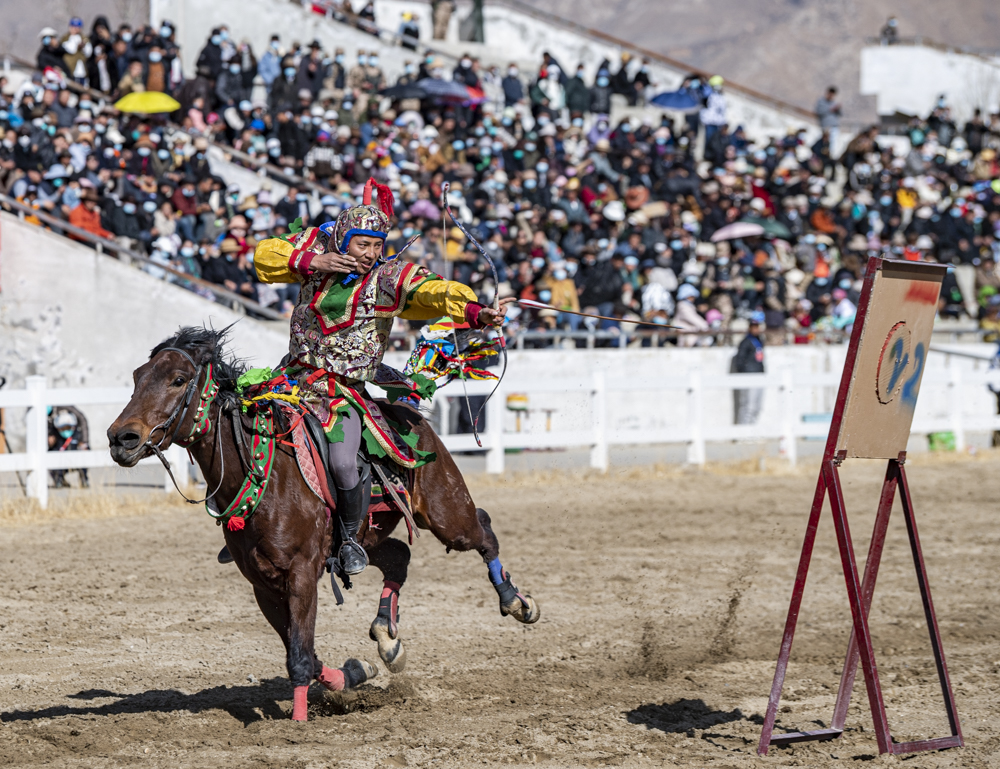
{"points": [[872, 419], [891, 350]]}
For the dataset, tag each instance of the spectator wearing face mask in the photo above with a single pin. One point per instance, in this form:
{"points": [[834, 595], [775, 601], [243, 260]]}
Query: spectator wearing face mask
{"points": [[210, 62], [68, 431], [51, 55], [269, 67], [284, 92], [157, 72], [513, 88]]}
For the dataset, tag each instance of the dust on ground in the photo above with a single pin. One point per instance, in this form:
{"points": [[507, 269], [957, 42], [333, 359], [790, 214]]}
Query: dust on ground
{"points": [[663, 594]]}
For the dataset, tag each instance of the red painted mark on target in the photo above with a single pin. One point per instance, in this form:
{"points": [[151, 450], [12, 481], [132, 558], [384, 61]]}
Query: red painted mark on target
{"points": [[923, 292]]}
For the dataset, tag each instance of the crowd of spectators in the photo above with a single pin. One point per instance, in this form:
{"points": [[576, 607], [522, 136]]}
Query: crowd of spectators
{"points": [[577, 211]]}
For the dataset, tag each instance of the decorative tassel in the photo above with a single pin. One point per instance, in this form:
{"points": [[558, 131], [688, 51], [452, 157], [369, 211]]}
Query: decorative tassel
{"points": [[236, 524], [385, 199]]}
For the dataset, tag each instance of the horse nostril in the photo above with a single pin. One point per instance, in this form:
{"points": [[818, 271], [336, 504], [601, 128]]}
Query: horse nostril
{"points": [[128, 439]]}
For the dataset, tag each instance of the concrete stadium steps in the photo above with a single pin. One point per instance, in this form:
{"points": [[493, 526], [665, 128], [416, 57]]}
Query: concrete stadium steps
{"points": [[83, 318]]}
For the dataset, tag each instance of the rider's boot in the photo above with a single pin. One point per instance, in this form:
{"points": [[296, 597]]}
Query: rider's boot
{"points": [[352, 504], [224, 555]]}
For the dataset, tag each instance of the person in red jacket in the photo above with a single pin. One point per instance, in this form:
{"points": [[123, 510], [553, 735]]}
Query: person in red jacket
{"points": [[87, 216]]}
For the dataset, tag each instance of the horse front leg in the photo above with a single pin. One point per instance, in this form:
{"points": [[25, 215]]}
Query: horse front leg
{"points": [[391, 557], [293, 616]]}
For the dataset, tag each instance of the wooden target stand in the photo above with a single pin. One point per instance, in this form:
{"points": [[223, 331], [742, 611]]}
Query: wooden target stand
{"points": [[871, 419]]}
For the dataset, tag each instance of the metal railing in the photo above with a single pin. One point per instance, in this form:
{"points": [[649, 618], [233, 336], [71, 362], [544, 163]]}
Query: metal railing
{"points": [[102, 245]]}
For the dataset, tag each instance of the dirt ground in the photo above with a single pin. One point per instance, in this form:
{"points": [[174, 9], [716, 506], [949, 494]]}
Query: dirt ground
{"points": [[663, 594]]}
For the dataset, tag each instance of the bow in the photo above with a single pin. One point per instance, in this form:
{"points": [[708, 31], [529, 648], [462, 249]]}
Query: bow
{"points": [[496, 306]]}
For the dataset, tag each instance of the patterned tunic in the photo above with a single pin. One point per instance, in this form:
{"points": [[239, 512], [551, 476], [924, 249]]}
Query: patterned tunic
{"points": [[339, 333]]}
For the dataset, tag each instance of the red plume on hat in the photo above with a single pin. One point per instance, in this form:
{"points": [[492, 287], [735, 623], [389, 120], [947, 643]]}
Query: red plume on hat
{"points": [[384, 196]]}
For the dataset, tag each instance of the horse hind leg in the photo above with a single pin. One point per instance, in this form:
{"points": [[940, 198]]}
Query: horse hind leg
{"points": [[519, 605], [391, 557]]}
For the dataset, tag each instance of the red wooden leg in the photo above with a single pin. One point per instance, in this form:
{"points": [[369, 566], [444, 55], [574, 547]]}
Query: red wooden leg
{"points": [[858, 612], [793, 615], [867, 590]]}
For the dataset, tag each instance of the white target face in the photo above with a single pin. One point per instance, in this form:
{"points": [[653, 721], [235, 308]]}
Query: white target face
{"points": [[893, 362]]}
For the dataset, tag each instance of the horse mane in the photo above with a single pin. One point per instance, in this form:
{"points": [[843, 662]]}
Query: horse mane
{"points": [[207, 345]]}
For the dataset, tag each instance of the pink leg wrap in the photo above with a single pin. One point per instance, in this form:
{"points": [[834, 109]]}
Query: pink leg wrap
{"points": [[332, 679], [300, 704]]}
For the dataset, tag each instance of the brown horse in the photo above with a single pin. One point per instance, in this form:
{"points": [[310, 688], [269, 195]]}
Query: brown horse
{"points": [[282, 549]]}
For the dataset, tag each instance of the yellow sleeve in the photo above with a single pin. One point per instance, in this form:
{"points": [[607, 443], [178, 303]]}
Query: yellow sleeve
{"points": [[435, 298], [278, 261], [270, 260]]}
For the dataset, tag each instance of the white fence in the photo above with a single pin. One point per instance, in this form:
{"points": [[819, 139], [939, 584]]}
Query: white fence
{"points": [[37, 460], [697, 430], [949, 385]]}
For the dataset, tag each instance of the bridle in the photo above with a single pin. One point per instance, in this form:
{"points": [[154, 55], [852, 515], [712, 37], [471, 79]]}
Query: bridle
{"points": [[201, 423]]}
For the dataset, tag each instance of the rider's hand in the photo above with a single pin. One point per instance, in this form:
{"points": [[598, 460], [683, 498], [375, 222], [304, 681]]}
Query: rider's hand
{"points": [[490, 317], [333, 262]]}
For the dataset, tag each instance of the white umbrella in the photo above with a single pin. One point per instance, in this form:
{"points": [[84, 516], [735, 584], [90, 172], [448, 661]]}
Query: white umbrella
{"points": [[737, 230]]}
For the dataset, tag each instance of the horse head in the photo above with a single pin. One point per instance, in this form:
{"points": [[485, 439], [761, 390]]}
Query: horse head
{"points": [[165, 402]]}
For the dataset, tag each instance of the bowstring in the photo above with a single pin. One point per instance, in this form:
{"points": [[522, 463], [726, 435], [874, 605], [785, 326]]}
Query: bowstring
{"points": [[446, 208]]}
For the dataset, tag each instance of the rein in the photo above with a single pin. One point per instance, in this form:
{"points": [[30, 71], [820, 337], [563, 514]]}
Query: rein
{"points": [[200, 426], [261, 450]]}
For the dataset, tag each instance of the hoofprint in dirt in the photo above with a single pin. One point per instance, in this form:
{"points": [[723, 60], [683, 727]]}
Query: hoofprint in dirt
{"points": [[123, 642]]}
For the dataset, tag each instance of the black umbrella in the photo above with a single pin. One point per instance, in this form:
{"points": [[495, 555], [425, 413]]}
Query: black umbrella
{"points": [[404, 91]]}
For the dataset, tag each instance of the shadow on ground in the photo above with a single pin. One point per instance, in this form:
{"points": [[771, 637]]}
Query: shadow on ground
{"points": [[684, 716], [244, 703]]}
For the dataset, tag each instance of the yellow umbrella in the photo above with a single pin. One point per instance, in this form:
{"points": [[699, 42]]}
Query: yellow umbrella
{"points": [[147, 102]]}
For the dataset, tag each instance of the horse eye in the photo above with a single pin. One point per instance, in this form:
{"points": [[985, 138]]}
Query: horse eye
{"points": [[178, 382]]}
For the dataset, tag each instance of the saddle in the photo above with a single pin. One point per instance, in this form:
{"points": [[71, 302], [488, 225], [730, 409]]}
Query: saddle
{"points": [[390, 485]]}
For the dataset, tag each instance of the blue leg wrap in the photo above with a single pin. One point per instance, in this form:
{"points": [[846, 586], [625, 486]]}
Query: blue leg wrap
{"points": [[496, 571]]}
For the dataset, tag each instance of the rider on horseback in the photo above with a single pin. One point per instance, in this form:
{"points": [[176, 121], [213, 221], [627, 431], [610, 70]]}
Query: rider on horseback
{"points": [[351, 292]]}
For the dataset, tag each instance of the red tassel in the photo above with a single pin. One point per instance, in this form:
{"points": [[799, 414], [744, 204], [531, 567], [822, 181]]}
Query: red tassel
{"points": [[385, 199], [236, 524]]}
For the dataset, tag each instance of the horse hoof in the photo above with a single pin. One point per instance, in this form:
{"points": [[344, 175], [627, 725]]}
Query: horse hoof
{"points": [[390, 649], [524, 609], [356, 672], [393, 655]]}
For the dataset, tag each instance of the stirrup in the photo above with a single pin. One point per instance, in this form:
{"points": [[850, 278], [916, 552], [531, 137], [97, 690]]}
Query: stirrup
{"points": [[353, 558], [224, 555]]}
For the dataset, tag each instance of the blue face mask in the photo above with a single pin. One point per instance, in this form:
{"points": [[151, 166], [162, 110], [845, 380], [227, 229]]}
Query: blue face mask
{"points": [[149, 206], [518, 154], [66, 432], [339, 58], [144, 152], [289, 71], [458, 144], [603, 82], [302, 197], [163, 154], [216, 39], [530, 184], [129, 208], [155, 56], [676, 244], [187, 252], [234, 68], [529, 146], [187, 193], [542, 168], [224, 34]]}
